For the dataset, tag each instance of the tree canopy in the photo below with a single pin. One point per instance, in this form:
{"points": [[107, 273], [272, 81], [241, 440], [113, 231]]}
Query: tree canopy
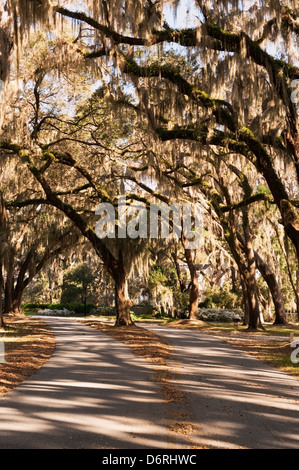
{"points": [[136, 98]]}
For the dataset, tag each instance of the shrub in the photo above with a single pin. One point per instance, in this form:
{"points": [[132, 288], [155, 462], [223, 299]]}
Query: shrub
{"points": [[74, 307], [219, 315], [55, 312], [222, 299], [77, 307], [33, 306], [56, 306], [106, 311]]}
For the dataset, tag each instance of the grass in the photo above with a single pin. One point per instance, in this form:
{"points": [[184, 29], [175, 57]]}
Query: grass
{"points": [[271, 345], [29, 343]]}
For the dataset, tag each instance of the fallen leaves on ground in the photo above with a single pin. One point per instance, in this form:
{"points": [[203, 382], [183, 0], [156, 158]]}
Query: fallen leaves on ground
{"points": [[274, 353], [154, 348], [29, 343], [186, 324], [271, 349]]}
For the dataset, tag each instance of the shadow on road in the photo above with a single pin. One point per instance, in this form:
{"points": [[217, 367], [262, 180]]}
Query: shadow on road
{"points": [[237, 401], [92, 393]]}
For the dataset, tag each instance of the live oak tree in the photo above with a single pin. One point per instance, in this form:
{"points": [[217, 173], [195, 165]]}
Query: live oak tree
{"points": [[31, 236], [6, 45], [2, 239], [239, 98], [245, 121], [54, 139], [241, 236]]}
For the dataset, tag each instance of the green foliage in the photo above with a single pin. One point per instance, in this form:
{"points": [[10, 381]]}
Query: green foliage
{"points": [[262, 189], [33, 306], [76, 307], [156, 276], [70, 292], [77, 285], [103, 311], [222, 299], [162, 287], [181, 300], [219, 315]]}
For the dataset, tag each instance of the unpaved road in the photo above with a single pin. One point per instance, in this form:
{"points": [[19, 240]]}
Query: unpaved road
{"points": [[91, 394], [237, 401], [94, 394]]}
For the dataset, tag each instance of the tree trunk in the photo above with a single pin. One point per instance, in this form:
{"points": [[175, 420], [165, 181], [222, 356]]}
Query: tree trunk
{"points": [[3, 225], [297, 293], [194, 290], [122, 303], [253, 303], [250, 279], [13, 300], [250, 300], [270, 279], [1, 312], [84, 299], [234, 279], [178, 272], [289, 270], [8, 289], [122, 300], [245, 300], [51, 287], [246, 269], [17, 300], [1, 295]]}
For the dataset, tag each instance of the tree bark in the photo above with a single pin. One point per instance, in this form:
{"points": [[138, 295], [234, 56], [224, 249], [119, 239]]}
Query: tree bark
{"points": [[17, 300], [297, 293], [3, 224], [9, 284], [122, 300], [250, 274], [253, 303], [245, 299], [194, 289], [178, 271], [1, 295], [270, 279], [286, 257], [234, 279]]}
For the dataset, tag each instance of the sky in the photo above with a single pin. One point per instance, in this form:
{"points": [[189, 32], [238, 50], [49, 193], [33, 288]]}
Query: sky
{"points": [[185, 17]]}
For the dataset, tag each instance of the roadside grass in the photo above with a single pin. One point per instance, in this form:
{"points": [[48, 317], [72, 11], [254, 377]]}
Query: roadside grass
{"points": [[29, 343], [271, 344]]}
